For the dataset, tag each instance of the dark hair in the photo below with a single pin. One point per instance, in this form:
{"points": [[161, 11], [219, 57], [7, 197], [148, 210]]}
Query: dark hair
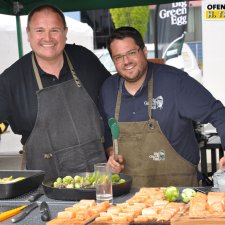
{"points": [[124, 32], [50, 8]]}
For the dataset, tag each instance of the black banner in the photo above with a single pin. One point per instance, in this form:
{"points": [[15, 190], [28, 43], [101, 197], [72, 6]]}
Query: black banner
{"points": [[170, 26]]}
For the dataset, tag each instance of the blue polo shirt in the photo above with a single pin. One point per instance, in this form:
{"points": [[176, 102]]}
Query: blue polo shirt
{"points": [[178, 100]]}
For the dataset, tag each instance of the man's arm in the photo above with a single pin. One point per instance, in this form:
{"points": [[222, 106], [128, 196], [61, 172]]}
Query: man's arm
{"points": [[222, 163]]}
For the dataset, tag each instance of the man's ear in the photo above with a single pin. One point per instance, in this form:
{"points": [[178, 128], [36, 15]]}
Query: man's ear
{"points": [[66, 31], [28, 35], [145, 52]]}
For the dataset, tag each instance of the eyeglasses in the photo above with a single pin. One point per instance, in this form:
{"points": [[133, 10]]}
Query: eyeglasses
{"points": [[130, 55]]}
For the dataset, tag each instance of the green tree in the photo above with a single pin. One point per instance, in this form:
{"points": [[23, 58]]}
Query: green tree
{"points": [[136, 17]]}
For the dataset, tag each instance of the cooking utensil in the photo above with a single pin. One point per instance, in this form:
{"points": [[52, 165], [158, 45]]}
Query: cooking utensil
{"points": [[11, 212], [33, 179], [25, 212], [204, 190], [113, 124], [34, 197], [37, 194], [75, 194], [45, 213]]}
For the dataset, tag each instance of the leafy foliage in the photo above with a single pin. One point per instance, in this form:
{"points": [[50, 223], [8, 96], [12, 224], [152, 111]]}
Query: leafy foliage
{"points": [[136, 17]]}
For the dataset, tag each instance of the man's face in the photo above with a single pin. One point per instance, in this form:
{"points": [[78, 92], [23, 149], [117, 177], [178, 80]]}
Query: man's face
{"points": [[129, 59], [47, 35]]}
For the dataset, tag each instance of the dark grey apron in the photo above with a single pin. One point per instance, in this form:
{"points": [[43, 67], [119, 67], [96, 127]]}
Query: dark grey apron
{"points": [[149, 157], [67, 136]]}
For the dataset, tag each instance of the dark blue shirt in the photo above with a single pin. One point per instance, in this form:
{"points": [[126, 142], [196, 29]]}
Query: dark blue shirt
{"points": [[178, 100]]}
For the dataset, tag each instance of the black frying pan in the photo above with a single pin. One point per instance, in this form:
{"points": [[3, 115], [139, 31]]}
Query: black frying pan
{"points": [[76, 194]]}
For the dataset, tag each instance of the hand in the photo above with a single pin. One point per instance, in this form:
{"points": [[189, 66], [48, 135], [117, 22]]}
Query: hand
{"points": [[116, 162], [222, 163], [3, 127]]}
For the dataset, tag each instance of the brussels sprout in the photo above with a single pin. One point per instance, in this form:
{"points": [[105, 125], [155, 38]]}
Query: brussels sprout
{"points": [[121, 181], [87, 181], [59, 185], [59, 180], [77, 179], [115, 178], [77, 185], [67, 179], [69, 186], [171, 193], [92, 178], [187, 194], [55, 184]]}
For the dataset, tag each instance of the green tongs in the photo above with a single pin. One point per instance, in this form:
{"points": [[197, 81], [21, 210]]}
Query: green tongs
{"points": [[115, 130]]}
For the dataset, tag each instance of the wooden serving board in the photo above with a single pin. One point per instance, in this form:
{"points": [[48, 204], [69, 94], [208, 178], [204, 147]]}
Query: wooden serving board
{"points": [[108, 223], [132, 223], [151, 223], [185, 220], [72, 221]]}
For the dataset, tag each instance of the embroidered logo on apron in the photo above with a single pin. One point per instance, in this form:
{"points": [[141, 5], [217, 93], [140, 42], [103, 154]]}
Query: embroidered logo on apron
{"points": [[158, 156], [157, 103]]}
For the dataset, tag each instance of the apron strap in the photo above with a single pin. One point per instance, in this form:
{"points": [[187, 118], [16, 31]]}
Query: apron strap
{"points": [[118, 103], [150, 96], [72, 70], [118, 100], [38, 78]]}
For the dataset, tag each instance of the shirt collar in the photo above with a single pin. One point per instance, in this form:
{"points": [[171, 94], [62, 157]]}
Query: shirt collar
{"points": [[63, 71]]}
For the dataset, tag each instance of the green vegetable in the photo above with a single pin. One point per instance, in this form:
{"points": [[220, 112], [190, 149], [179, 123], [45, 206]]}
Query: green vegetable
{"points": [[67, 179], [115, 177], [77, 179], [121, 181], [7, 180], [187, 194], [77, 185], [171, 193], [69, 186], [88, 181], [59, 180]]}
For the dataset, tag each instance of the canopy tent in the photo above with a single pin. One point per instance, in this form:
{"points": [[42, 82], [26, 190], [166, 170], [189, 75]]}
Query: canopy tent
{"points": [[79, 33], [23, 7]]}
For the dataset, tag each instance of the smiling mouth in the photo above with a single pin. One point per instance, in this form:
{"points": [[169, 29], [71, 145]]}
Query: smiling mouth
{"points": [[129, 66], [48, 45]]}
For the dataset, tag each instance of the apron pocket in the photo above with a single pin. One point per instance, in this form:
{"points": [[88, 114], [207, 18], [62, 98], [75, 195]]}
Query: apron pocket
{"points": [[94, 153], [79, 158], [70, 160]]}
